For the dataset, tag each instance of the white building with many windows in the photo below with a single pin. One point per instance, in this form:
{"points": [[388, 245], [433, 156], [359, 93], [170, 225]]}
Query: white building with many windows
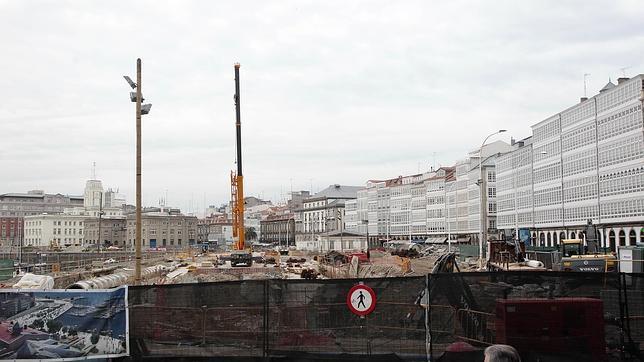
{"points": [[53, 230], [433, 205], [584, 163], [322, 213]]}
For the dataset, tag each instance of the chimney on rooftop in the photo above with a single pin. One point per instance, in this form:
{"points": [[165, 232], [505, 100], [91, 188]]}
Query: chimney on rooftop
{"points": [[621, 80], [512, 141]]}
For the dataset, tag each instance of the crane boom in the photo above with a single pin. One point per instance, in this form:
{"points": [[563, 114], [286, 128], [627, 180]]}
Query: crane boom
{"points": [[237, 179]]}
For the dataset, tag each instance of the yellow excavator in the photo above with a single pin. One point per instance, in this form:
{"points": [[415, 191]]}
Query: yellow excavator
{"points": [[575, 258]]}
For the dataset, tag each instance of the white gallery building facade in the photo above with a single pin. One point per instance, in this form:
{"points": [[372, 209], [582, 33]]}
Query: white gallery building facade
{"points": [[583, 163]]}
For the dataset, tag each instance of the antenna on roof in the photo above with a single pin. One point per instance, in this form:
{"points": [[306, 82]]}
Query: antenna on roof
{"points": [[434, 165], [585, 75]]}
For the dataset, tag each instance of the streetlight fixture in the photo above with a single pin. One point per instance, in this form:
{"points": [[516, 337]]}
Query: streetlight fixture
{"points": [[366, 222], [482, 183], [145, 109], [514, 187]]}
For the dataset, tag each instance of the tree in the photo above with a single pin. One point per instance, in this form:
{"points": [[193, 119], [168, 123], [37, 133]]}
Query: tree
{"points": [[250, 233], [38, 324], [94, 338], [54, 326]]}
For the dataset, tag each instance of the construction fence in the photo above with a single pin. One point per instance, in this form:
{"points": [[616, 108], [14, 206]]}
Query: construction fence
{"points": [[566, 315], [56, 262]]}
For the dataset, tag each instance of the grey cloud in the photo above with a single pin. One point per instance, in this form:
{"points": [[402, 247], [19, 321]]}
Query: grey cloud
{"points": [[331, 91]]}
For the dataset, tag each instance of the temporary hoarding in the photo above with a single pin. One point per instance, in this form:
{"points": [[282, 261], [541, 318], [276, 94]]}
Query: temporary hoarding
{"points": [[62, 325]]}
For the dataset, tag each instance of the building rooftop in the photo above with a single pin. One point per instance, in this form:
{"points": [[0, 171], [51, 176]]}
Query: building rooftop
{"points": [[37, 195], [338, 192], [608, 86]]}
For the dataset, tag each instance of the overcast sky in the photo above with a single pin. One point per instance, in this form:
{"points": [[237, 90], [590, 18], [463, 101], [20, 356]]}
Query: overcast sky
{"points": [[332, 91]]}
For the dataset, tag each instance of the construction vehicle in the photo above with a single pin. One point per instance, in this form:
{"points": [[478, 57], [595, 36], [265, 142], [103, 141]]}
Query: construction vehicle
{"points": [[241, 254], [575, 258], [241, 258]]}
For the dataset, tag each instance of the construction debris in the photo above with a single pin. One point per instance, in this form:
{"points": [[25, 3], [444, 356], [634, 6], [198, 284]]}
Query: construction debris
{"points": [[309, 274], [32, 281]]}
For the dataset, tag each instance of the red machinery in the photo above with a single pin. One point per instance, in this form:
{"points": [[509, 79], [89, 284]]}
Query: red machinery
{"points": [[561, 326]]}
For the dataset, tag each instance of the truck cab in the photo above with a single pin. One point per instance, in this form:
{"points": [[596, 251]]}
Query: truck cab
{"points": [[241, 257], [570, 247]]}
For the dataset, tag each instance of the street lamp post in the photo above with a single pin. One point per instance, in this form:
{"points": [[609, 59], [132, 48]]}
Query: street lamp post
{"points": [[410, 222], [137, 97], [366, 222], [100, 217], [482, 193], [388, 222], [447, 222]]}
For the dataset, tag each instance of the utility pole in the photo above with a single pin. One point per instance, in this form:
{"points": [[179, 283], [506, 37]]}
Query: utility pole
{"points": [[137, 239], [137, 97], [20, 252], [483, 200], [100, 216]]}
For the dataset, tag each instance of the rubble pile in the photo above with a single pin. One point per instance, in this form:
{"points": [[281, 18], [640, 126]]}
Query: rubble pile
{"points": [[204, 278], [332, 258], [379, 271], [406, 253], [543, 290], [380, 264], [309, 274], [270, 274], [430, 249]]}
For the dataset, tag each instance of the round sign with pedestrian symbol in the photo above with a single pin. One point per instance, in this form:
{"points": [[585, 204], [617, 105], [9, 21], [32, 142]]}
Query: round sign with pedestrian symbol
{"points": [[361, 300]]}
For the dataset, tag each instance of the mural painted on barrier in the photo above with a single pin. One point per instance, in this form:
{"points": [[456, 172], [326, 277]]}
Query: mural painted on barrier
{"points": [[61, 325]]}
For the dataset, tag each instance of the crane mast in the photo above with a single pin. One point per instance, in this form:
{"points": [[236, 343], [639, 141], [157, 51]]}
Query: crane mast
{"points": [[237, 179]]}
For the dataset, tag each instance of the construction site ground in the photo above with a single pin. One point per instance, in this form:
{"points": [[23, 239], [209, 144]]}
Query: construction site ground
{"points": [[190, 266]]}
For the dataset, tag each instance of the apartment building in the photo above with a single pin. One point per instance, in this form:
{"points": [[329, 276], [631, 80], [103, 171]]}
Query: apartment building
{"points": [[163, 229], [57, 230], [433, 205], [36, 202], [438, 222], [278, 227], [323, 212], [515, 187], [11, 231], [112, 232], [587, 163]]}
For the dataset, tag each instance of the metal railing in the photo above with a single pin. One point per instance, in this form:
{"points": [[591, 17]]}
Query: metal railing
{"points": [[59, 263], [465, 327]]}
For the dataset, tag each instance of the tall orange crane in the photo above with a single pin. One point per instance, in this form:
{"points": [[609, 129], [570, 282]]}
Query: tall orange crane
{"points": [[237, 179]]}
